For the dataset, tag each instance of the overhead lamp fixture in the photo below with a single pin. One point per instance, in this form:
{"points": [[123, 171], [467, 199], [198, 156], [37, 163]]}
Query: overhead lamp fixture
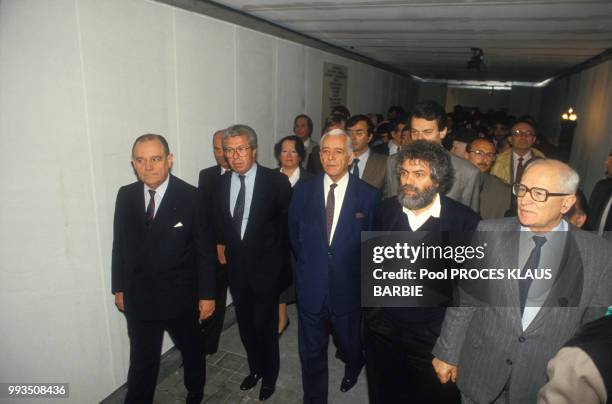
{"points": [[476, 62], [570, 115]]}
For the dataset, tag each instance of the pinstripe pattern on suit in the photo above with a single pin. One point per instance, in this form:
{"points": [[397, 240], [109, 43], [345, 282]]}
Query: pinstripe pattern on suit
{"points": [[488, 343]]}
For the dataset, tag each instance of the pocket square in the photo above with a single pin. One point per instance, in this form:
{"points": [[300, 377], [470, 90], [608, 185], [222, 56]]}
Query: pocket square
{"points": [[360, 215], [179, 224]]}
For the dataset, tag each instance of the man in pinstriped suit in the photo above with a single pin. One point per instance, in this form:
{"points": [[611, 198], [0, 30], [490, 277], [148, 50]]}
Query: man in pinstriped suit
{"points": [[499, 354]]}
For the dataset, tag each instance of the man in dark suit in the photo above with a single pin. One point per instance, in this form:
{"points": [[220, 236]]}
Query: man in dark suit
{"points": [[326, 217], [399, 340], [498, 353], [600, 203], [162, 269], [367, 166], [495, 195], [251, 222], [428, 122], [208, 185]]}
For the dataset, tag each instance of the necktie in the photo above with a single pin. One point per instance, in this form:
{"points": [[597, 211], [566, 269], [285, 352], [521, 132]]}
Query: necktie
{"points": [[356, 167], [329, 211], [532, 262], [239, 207], [150, 214], [519, 170]]}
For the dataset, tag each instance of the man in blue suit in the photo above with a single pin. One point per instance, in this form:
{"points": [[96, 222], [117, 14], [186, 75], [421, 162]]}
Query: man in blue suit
{"points": [[326, 217]]}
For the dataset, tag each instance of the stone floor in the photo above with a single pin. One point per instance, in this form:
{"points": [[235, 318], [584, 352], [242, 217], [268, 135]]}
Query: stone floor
{"points": [[227, 368]]}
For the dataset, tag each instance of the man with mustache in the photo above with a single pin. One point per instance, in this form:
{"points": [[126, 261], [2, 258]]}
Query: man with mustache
{"points": [[495, 195], [399, 340]]}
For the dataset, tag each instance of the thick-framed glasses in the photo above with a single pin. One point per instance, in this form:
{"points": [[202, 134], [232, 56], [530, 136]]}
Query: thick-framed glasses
{"points": [[537, 194], [480, 153], [240, 150]]}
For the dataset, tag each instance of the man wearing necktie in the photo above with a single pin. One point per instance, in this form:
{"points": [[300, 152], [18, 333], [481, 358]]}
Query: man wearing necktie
{"points": [[163, 269], [498, 353], [368, 166], [326, 217], [251, 222]]}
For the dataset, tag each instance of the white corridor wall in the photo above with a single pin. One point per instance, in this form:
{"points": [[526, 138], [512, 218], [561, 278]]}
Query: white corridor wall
{"points": [[79, 80]]}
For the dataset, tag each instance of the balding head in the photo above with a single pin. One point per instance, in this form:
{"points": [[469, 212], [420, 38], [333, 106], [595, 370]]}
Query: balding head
{"points": [[554, 185]]}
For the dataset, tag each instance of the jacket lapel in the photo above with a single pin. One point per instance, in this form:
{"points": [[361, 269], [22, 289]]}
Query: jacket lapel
{"points": [[164, 215], [257, 201], [347, 208]]}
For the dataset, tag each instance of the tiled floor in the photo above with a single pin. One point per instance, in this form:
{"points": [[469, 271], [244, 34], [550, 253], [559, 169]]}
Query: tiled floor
{"points": [[227, 368]]}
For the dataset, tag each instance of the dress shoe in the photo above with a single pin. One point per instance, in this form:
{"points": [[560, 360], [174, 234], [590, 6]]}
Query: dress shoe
{"points": [[194, 398], [265, 392], [250, 381], [280, 334], [347, 384]]}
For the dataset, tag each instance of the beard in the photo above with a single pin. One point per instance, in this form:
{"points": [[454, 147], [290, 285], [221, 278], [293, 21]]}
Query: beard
{"points": [[420, 200]]}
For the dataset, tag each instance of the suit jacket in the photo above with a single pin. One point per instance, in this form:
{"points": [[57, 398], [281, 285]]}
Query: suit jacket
{"points": [[258, 261], [329, 273], [597, 203], [312, 146], [489, 344], [208, 179], [495, 197], [466, 187], [375, 172], [304, 175], [313, 164], [503, 167], [382, 148], [163, 268], [392, 181]]}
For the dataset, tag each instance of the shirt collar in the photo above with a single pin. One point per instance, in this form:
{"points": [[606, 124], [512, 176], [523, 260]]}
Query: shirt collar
{"points": [[327, 181], [161, 189], [364, 156], [526, 157], [562, 226], [418, 220]]}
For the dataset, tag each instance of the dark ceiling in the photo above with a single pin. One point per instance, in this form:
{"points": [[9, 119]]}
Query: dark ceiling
{"points": [[523, 40]]}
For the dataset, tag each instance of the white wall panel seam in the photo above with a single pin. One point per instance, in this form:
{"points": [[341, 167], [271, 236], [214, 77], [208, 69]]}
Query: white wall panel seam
{"points": [[235, 73], [176, 94], [276, 92], [93, 189]]}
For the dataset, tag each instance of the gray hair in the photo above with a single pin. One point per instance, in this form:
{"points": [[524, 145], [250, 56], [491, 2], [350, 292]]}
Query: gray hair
{"points": [[219, 132], [241, 130], [442, 171], [339, 132], [568, 177]]}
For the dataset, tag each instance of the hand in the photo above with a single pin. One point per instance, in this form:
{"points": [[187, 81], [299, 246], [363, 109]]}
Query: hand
{"points": [[207, 308], [119, 301], [444, 371], [221, 254]]}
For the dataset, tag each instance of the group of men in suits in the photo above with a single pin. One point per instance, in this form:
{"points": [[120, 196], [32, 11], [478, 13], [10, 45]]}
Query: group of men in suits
{"points": [[176, 249]]}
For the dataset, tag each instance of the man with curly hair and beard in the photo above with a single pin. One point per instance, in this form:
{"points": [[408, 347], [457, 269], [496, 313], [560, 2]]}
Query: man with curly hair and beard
{"points": [[399, 340]]}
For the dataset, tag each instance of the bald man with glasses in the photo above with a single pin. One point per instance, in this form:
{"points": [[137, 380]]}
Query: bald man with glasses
{"points": [[498, 353]]}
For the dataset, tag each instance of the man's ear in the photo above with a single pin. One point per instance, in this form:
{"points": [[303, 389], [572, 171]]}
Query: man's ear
{"points": [[567, 204], [170, 159], [443, 133]]}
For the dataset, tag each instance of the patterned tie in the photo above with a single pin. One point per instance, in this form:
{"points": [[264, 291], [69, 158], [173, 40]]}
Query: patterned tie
{"points": [[356, 167], [239, 207], [520, 168], [150, 214], [329, 211], [532, 262]]}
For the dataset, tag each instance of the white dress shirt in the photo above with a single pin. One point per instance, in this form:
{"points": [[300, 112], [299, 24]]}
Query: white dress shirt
{"points": [[294, 177], [393, 148], [159, 194], [515, 162], [249, 185], [363, 160], [416, 221], [339, 193]]}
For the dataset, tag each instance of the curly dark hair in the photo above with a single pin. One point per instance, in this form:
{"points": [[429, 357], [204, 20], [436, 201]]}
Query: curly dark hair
{"points": [[442, 171]]}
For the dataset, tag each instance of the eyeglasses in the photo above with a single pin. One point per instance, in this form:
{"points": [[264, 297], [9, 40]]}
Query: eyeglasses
{"points": [[537, 194], [480, 153], [522, 133], [240, 150]]}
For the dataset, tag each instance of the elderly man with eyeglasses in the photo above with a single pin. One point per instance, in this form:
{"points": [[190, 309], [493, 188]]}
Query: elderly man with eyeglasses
{"points": [[511, 164], [498, 353], [495, 195]]}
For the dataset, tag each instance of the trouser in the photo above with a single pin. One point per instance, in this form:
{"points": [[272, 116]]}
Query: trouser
{"points": [[146, 337], [313, 338], [398, 362], [213, 326], [257, 316]]}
